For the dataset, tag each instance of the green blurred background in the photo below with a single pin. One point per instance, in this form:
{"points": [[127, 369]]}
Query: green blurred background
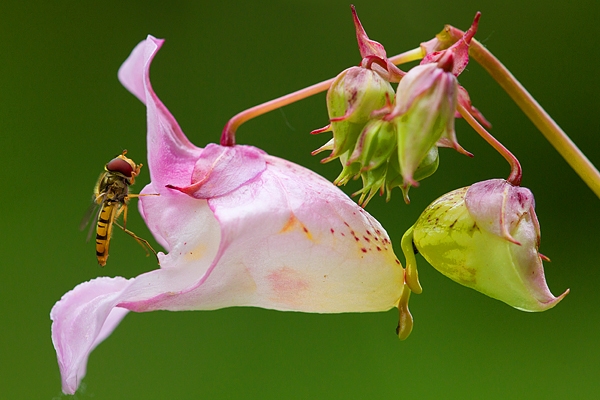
{"points": [[63, 115]]}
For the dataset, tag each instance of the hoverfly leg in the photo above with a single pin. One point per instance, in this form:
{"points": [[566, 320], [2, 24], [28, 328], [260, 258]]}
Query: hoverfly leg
{"points": [[142, 242], [133, 196], [126, 203]]}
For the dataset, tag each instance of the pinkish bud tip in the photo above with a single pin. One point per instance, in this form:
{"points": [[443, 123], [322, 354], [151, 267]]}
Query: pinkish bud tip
{"points": [[366, 46], [321, 130], [446, 62], [473, 29]]}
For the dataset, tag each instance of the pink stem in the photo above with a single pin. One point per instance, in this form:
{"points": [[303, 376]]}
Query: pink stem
{"points": [[515, 167], [228, 134]]}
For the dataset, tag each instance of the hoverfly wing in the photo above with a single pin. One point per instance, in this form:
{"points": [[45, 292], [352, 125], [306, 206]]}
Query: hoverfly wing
{"points": [[91, 214]]}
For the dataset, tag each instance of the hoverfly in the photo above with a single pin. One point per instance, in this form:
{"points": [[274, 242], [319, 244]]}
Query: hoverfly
{"points": [[111, 196]]}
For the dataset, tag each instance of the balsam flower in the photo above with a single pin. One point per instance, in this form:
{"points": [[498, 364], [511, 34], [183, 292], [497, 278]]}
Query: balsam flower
{"points": [[241, 227], [485, 237]]}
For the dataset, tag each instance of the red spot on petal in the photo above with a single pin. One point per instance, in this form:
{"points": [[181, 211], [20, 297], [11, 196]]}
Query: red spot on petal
{"points": [[332, 231], [363, 250]]}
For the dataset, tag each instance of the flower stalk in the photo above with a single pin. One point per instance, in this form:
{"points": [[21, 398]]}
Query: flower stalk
{"points": [[228, 134], [532, 109], [516, 172]]}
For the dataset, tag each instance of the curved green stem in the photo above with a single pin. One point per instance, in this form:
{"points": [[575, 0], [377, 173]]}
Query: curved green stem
{"points": [[407, 56], [411, 275]]}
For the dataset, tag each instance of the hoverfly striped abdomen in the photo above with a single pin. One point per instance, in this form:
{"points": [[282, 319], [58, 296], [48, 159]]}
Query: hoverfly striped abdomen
{"points": [[111, 194]]}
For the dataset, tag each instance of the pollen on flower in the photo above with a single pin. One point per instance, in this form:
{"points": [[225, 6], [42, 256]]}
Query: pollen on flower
{"points": [[292, 222], [196, 253]]}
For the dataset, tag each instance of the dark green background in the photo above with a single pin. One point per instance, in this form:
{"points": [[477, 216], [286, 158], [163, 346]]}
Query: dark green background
{"points": [[63, 115]]}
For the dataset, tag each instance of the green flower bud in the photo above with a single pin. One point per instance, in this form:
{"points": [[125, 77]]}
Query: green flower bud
{"points": [[349, 171], [352, 97], [373, 182], [485, 237], [375, 145], [426, 168], [424, 113]]}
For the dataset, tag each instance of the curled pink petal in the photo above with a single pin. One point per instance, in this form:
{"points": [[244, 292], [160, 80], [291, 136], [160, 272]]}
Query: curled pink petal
{"points": [[460, 49], [498, 206], [82, 319], [170, 153]]}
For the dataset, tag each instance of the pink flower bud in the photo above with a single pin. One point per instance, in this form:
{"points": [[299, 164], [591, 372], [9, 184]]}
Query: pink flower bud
{"points": [[486, 237]]}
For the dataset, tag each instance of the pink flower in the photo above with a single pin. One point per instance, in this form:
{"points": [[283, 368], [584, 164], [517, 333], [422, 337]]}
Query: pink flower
{"points": [[241, 227]]}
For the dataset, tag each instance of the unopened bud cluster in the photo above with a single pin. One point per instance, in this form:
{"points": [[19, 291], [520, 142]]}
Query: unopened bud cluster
{"points": [[391, 138]]}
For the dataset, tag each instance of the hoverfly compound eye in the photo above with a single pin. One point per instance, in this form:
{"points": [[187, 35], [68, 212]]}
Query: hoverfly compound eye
{"points": [[121, 166]]}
